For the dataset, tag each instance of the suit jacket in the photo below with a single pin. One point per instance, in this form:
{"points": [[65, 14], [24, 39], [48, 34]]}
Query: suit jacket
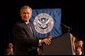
{"points": [[25, 41]]}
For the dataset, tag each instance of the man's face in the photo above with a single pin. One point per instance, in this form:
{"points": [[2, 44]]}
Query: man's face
{"points": [[81, 43], [26, 14], [78, 49]]}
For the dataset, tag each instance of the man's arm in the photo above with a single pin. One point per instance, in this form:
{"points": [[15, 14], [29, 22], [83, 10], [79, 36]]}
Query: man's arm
{"points": [[46, 41]]}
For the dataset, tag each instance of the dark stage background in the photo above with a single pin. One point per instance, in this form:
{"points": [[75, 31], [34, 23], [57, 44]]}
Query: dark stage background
{"points": [[72, 15]]}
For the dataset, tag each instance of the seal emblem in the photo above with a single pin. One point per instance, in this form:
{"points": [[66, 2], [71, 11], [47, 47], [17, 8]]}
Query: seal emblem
{"points": [[43, 23]]}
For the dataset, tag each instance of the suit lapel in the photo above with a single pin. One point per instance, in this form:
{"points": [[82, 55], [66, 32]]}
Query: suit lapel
{"points": [[28, 31], [33, 30]]}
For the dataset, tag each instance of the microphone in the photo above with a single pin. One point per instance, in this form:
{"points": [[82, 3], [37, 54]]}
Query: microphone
{"points": [[68, 28]]}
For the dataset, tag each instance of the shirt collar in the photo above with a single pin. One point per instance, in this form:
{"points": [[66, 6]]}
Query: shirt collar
{"points": [[27, 22]]}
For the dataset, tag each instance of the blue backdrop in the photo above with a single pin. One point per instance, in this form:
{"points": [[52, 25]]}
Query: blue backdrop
{"points": [[56, 15]]}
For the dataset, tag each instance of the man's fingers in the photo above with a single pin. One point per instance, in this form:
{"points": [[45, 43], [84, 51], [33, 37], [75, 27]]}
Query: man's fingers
{"points": [[48, 42], [50, 38]]}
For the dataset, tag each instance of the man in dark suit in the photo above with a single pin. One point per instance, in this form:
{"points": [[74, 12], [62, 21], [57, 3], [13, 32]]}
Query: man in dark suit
{"points": [[26, 42]]}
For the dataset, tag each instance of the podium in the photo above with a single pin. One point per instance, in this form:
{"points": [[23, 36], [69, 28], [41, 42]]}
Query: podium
{"points": [[60, 46]]}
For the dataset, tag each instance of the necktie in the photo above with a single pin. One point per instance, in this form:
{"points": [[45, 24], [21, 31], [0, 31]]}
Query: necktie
{"points": [[31, 30]]}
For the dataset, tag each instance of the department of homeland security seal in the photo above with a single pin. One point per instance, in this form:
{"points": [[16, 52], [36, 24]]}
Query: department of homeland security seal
{"points": [[43, 23]]}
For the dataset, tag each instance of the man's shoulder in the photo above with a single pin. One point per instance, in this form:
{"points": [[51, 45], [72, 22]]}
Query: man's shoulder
{"points": [[18, 24]]}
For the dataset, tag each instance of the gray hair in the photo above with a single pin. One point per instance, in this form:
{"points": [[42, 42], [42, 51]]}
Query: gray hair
{"points": [[25, 7]]}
